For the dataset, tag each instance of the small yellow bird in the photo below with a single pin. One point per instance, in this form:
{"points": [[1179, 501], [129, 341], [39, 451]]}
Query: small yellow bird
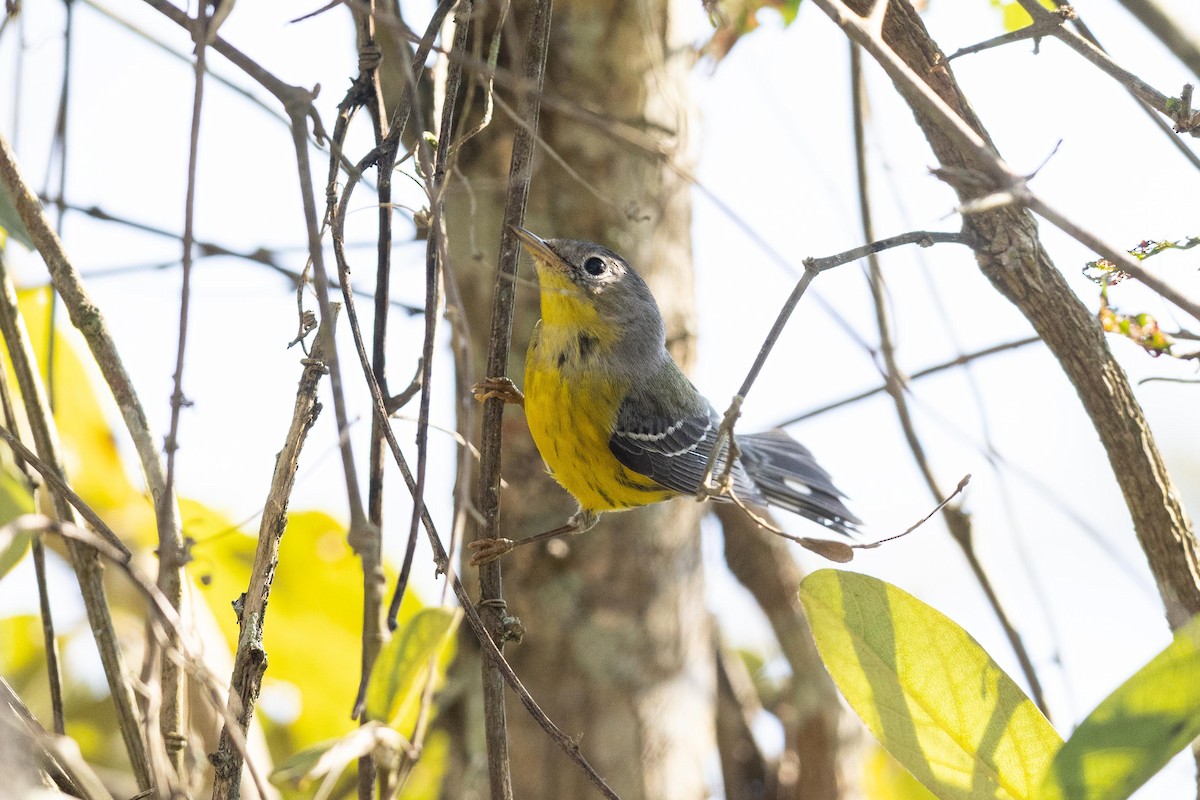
{"points": [[616, 420]]}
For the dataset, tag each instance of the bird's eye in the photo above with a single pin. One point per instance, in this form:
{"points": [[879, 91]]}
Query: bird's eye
{"points": [[594, 265]]}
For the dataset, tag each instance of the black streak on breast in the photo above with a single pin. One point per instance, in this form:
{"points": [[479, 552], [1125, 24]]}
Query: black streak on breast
{"points": [[586, 345]]}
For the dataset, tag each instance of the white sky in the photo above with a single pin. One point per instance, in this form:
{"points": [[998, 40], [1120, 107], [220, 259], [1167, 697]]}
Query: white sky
{"points": [[773, 144]]}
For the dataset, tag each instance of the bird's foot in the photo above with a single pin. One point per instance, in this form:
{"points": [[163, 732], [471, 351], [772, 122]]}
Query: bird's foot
{"points": [[501, 388], [488, 550]]}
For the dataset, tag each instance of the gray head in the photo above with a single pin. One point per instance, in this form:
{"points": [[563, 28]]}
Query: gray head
{"points": [[576, 276]]}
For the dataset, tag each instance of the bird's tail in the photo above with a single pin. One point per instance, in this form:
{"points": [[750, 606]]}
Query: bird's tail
{"points": [[788, 476]]}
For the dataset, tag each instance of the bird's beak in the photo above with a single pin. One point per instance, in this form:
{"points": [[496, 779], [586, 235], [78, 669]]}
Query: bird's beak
{"points": [[537, 247]]}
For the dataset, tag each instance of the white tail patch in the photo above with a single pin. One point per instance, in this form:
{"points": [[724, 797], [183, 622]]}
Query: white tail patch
{"points": [[798, 487]]}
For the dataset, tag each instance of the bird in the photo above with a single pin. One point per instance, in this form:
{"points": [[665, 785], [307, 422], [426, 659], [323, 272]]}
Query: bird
{"points": [[614, 418]]}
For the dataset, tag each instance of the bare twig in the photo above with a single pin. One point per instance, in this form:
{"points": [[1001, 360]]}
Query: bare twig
{"points": [[49, 641], [168, 625], [1069, 330], [171, 562], [896, 388], [204, 249], [1044, 26], [87, 566], [957, 361], [919, 238], [962, 484], [58, 486], [1181, 113], [1167, 28], [249, 661], [725, 432]]}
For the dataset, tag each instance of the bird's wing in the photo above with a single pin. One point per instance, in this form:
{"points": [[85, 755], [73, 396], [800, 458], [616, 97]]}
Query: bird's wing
{"points": [[671, 443]]}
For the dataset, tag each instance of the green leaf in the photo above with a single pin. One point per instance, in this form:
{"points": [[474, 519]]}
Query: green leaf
{"points": [[10, 222], [15, 500], [398, 675], [1136, 730], [931, 695]]}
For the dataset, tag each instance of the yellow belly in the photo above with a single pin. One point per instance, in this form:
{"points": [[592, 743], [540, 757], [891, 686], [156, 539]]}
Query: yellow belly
{"points": [[571, 418]]}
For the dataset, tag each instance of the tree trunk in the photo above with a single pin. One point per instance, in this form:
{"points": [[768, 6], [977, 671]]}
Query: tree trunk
{"points": [[617, 647]]}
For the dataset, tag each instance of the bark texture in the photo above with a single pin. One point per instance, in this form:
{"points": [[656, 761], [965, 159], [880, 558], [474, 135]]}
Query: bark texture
{"points": [[617, 645], [1010, 254]]}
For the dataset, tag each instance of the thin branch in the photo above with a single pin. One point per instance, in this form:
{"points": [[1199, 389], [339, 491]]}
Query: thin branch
{"points": [[206, 249], [87, 566], [1048, 25], [499, 343], [49, 640], [249, 662], [172, 556], [435, 259], [368, 92], [168, 626], [958, 522], [1044, 26], [1168, 30], [919, 238], [471, 613], [725, 431], [54, 480], [957, 361], [1185, 119]]}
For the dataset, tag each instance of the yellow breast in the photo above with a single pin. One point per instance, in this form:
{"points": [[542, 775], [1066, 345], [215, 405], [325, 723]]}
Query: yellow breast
{"points": [[571, 411]]}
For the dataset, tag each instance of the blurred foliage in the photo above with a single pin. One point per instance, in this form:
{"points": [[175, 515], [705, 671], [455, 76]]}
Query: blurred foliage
{"points": [[884, 778], [10, 222], [1014, 17], [946, 711], [733, 19], [16, 498], [400, 671], [313, 629], [1142, 329]]}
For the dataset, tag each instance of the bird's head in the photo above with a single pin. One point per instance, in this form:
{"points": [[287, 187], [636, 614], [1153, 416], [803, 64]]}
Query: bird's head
{"points": [[589, 286]]}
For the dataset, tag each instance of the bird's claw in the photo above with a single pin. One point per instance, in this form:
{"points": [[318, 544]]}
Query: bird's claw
{"points": [[488, 550], [501, 388]]}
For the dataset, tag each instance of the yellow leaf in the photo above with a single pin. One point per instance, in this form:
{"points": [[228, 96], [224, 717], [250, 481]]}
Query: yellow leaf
{"points": [[1134, 731], [398, 676], [931, 695]]}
